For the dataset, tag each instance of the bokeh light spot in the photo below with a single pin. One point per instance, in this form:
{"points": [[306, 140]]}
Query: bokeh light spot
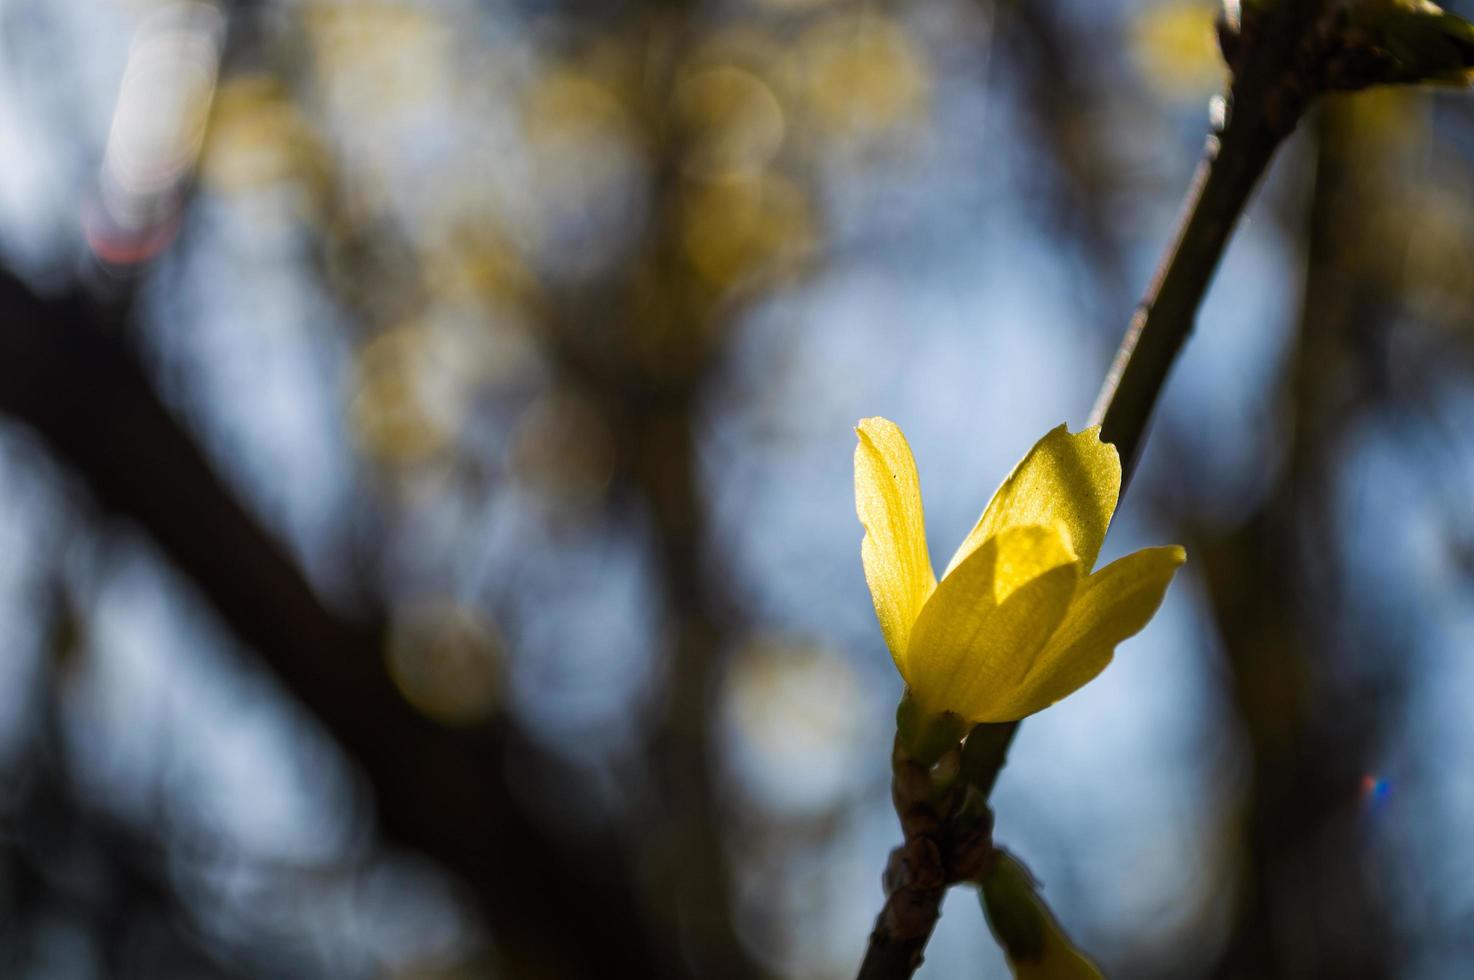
{"points": [[1174, 46], [258, 137], [733, 121], [737, 229], [447, 661], [374, 56], [864, 74], [563, 451], [792, 711], [406, 405]]}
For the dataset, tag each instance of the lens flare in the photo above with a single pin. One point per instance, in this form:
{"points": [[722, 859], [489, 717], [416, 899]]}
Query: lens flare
{"points": [[157, 129]]}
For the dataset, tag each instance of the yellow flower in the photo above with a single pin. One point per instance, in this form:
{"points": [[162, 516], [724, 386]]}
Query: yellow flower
{"points": [[1018, 620]]}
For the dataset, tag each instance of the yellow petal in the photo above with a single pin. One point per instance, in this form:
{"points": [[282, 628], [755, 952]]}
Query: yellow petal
{"points": [[978, 635], [888, 500], [1114, 603], [1065, 479], [1060, 961]]}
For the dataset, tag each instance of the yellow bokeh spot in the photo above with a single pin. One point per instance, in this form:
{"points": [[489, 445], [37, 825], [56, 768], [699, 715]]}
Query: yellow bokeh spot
{"points": [[1433, 275], [734, 230], [373, 56], [792, 6], [588, 158], [732, 121], [257, 137], [743, 46], [788, 697], [447, 661], [792, 713], [863, 73], [473, 263], [406, 404], [1175, 48], [566, 106], [562, 450], [486, 308]]}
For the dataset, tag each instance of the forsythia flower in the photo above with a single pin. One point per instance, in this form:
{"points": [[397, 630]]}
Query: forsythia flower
{"points": [[1018, 620]]}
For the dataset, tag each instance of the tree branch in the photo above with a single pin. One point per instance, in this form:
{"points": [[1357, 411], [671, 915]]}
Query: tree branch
{"points": [[1232, 164], [946, 841], [569, 909]]}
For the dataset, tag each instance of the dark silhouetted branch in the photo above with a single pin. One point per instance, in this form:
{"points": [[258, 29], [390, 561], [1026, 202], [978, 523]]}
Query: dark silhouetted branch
{"points": [[569, 909]]}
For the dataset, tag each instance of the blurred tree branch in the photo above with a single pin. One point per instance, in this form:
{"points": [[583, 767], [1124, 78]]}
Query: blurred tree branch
{"points": [[1064, 103], [49, 829], [66, 372], [1281, 637]]}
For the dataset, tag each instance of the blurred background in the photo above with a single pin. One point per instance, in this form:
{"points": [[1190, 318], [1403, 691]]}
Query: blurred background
{"points": [[427, 544]]}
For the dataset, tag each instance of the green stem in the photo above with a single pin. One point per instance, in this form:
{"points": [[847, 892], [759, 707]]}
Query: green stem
{"points": [[985, 754]]}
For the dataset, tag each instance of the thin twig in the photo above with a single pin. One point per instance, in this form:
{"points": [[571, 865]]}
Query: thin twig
{"points": [[1233, 161], [945, 842], [915, 877]]}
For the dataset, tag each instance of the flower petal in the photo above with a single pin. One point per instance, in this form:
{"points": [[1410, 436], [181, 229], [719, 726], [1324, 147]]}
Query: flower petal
{"points": [[980, 632], [1115, 603], [1068, 479], [888, 500]]}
